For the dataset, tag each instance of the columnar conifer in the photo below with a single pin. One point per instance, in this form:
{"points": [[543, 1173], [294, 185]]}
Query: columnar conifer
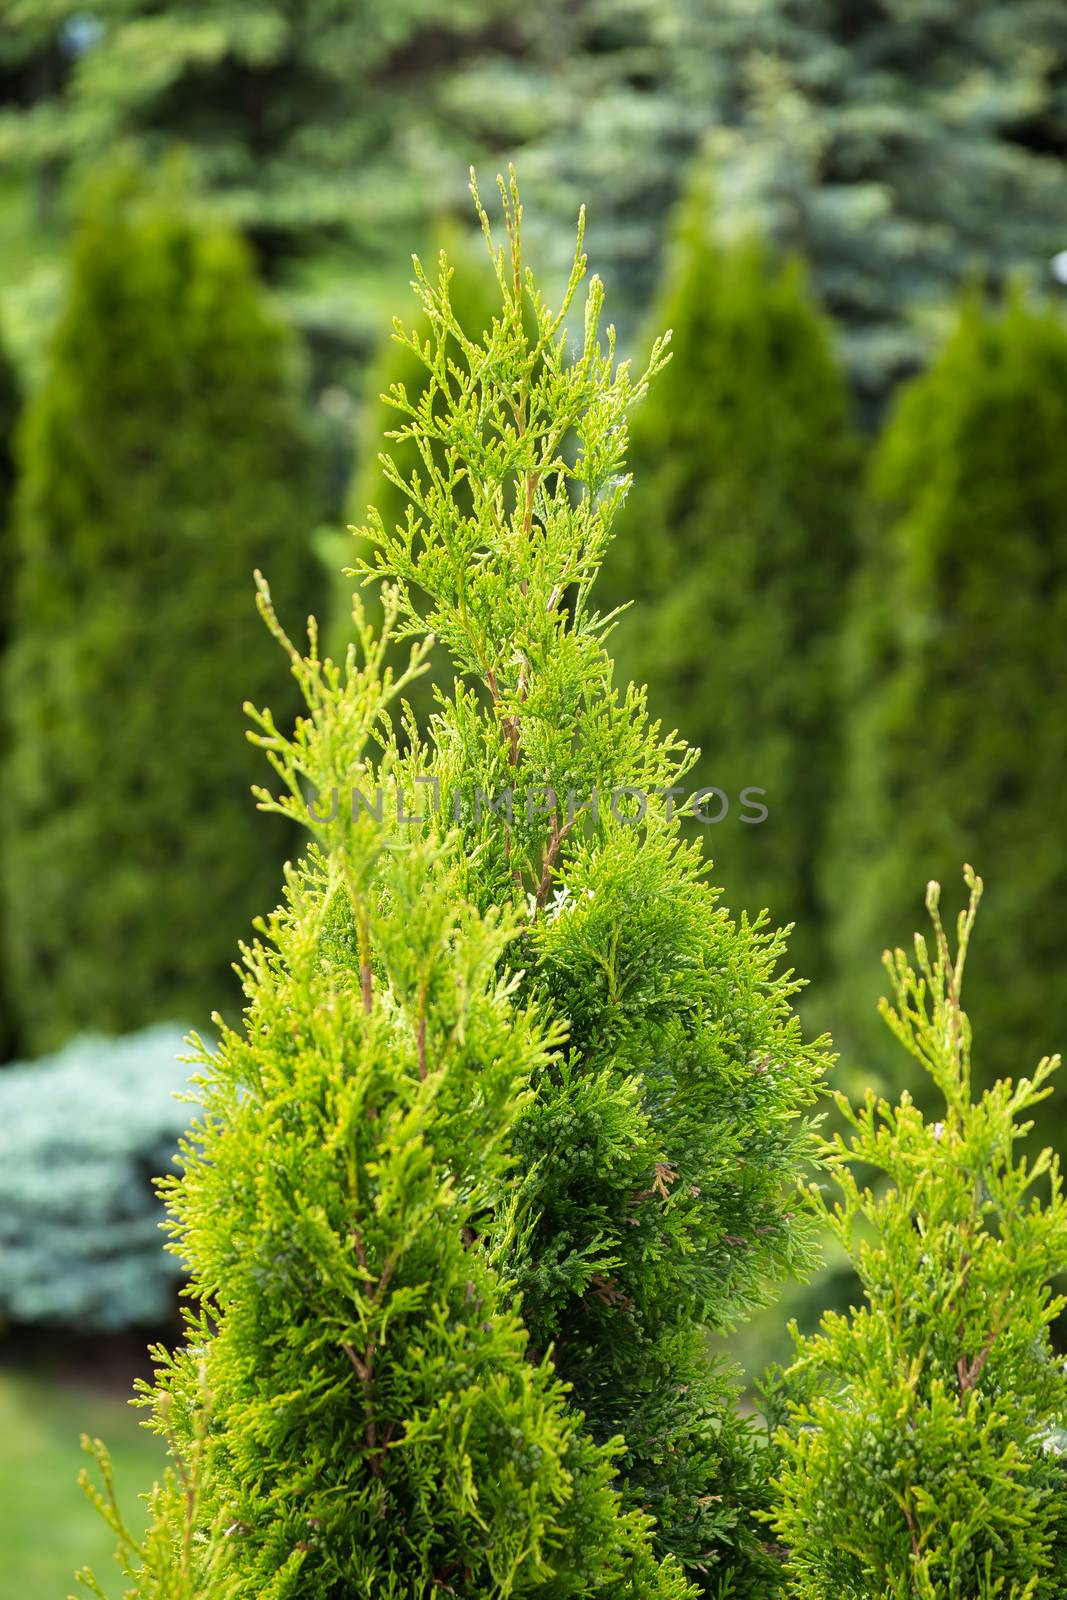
{"points": [[737, 542], [503, 1055], [655, 1152], [355, 1411], [954, 675], [161, 458]]}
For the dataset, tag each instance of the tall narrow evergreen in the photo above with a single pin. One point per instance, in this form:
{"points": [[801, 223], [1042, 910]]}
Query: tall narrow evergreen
{"points": [[956, 672], [736, 542], [496, 1056], [163, 457], [657, 1155]]}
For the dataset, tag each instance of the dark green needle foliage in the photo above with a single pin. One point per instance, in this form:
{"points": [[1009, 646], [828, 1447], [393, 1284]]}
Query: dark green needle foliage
{"points": [[923, 1456], [302, 121], [903, 148], [955, 677], [357, 1411], [736, 542], [658, 1154], [162, 459], [9, 412]]}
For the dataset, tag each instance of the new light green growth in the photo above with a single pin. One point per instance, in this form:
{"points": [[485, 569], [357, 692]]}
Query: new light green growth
{"points": [[923, 1452]]}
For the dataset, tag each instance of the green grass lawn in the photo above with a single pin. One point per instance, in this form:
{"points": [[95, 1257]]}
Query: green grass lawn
{"points": [[47, 1527]]}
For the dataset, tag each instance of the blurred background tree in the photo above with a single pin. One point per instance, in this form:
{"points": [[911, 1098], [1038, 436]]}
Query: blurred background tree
{"points": [[956, 677], [164, 457], [738, 538], [901, 148], [291, 113]]}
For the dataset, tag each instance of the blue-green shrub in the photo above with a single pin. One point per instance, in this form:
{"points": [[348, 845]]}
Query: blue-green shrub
{"points": [[82, 1135]]}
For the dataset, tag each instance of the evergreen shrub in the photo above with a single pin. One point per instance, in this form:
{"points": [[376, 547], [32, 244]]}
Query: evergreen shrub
{"points": [[495, 1065], [83, 1135], [954, 669], [162, 459], [737, 541], [10, 400]]}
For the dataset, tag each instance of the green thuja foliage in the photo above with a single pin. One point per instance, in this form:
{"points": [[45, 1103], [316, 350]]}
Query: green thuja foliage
{"points": [[954, 675], [357, 1410], [737, 542], [923, 1453], [496, 1059], [474, 300], [163, 456], [657, 1156]]}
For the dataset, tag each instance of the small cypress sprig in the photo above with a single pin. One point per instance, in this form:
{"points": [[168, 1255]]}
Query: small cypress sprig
{"points": [[919, 1456]]}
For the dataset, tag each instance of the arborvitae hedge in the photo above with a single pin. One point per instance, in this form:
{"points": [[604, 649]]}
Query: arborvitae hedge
{"points": [[493, 1060], [955, 677], [162, 459], [737, 541], [923, 1452]]}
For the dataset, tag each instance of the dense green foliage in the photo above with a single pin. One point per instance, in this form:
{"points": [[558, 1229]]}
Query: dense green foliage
{"points": [[82, 1137], [737, 541], [900, 147], [924, 1457], [356, 1405], [656, 1151], [955, 678], [163, 458], [9, 411], [435, 1147]]}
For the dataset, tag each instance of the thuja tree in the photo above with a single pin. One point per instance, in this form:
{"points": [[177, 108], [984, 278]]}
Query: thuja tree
{"points": [[737, 544], [923, 1457], [357, 1410], [163, 456], [657, 1153], [491, 1060], [956, 654]]}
